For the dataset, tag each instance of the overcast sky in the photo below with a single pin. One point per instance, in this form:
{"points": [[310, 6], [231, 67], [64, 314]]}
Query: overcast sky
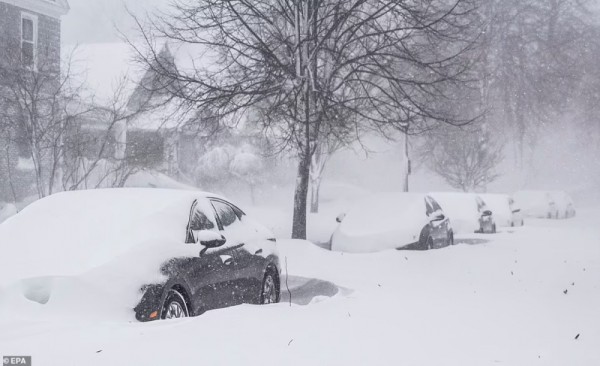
{"points": [[92, 21]]}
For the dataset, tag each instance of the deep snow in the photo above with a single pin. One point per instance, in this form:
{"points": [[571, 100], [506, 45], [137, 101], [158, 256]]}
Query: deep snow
{"points": [[516, 298]]}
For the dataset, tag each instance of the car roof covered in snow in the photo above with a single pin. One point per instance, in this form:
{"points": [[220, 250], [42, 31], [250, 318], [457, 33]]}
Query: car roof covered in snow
{"points": [[71, 232], [383, 212]]}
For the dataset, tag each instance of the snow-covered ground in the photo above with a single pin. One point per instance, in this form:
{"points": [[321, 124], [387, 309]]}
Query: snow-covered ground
{"points": [[526, 296]]}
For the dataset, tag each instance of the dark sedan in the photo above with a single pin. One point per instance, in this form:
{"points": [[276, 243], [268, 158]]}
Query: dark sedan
{"points": [[227, 271]]}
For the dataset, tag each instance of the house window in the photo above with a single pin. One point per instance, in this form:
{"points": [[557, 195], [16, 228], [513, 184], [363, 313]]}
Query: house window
{"points": [[28, 39]]}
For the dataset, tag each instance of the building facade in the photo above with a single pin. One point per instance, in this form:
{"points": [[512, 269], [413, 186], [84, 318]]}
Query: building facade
{"points": [[30, 44]]}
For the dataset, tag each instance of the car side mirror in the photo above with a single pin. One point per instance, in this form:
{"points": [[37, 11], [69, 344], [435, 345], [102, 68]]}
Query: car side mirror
{"points": [[487, 213], [210, 239], [437, 217], [340, 217]]}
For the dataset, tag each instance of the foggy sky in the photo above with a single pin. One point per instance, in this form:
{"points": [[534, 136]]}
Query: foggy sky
{"points": [[91, 21]]}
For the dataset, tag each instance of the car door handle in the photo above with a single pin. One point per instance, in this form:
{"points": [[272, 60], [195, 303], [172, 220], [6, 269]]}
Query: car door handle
{"points": [[226, 259]]}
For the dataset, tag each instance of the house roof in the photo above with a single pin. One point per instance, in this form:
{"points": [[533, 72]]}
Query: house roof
{"points": [[53, 8], [111, 74], [108, 70]]}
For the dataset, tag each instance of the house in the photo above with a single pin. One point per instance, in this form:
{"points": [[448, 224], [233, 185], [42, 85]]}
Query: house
{"points": [[30, 42], [30, 31], [155, 133]]}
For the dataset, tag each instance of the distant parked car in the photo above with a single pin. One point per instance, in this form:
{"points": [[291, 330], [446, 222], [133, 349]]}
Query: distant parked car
{"points": [[487, 220], [564, 204], [160, 253], [393, 220], [468, 212], [540, 204], [506, 210]]}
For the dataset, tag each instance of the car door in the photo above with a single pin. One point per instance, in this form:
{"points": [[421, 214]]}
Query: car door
{"points": [[239, 237], [211, 276]]}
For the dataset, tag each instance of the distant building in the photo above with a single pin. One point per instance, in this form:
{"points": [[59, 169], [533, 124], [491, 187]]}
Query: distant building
{"points": [[30, 40], [30, 31], [156, 134]]}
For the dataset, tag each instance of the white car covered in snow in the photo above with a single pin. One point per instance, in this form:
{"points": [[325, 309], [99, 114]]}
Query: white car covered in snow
{"points": [[507, 212], [468, 212], [540, 204], [148, 253], [393, 221], [564, 204]]}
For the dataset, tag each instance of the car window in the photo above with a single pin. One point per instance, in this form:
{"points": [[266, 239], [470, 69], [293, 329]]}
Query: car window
{"points": [[198, 221], [227, 215], [480, 203], [435, 206], [428, 208]]}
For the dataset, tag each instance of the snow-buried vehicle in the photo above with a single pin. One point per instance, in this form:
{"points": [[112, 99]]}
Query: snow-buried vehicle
{"points": [[161, 253]]}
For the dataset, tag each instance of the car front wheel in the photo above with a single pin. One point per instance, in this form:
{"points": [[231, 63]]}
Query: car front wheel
{"points": [[270, 289], [175, 306]]}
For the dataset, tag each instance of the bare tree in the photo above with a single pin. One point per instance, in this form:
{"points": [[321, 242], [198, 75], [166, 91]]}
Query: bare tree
{"points": [[33, 114], [528, 70], [298, 64], [467, 158]]}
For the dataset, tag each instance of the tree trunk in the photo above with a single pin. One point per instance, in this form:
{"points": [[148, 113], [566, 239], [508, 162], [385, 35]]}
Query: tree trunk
{"points": [[252, 195], [301, 197], [405, 187], [315, 187]]}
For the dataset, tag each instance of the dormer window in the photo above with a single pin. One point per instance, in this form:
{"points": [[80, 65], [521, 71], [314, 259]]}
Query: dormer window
{"points": [[28, 40]]}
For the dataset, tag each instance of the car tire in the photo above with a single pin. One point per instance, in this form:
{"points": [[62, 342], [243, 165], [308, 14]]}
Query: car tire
{"points": [[269, 292], [174, 306], [429, 244]]}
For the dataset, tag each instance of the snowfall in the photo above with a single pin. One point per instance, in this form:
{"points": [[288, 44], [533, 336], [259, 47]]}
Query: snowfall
{"points": [[525, 296]]}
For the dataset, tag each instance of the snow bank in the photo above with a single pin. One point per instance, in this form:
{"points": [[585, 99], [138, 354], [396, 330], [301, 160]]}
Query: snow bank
{"points": [[501, 302]]}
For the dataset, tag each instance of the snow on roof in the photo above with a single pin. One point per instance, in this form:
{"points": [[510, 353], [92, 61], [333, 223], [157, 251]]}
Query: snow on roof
{"points": [[107, 69]]}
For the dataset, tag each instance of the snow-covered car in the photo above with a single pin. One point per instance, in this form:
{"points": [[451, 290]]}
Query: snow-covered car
{"points": [[540, 204], [393, 221], [468, 212], [564, 204], [152, 253], [487, 220], [506, 211]]}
